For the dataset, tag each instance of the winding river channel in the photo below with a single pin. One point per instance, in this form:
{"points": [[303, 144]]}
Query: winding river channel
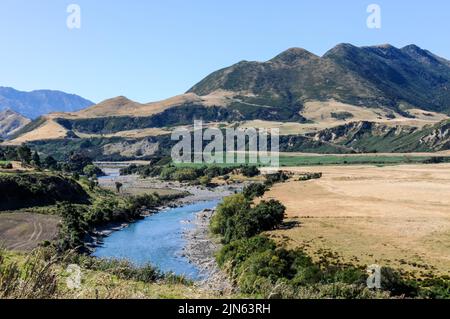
{"points": [[158, 239]]}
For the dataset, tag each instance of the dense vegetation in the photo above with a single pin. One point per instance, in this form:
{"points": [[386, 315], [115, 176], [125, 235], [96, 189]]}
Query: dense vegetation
{"points": [[236, 219], [195, 174], [38, 189]]}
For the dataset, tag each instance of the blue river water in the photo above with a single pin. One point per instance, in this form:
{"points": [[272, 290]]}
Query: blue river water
{"points": [[158, 239]]}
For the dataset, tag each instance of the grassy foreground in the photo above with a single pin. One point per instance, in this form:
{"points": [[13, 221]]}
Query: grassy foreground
{"points": [[46, 277]]}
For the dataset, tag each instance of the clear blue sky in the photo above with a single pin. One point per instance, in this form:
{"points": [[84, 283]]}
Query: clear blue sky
{"points": [[153, 49]]}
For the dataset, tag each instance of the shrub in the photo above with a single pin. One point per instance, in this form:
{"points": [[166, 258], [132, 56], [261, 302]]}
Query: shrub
{"points": [[254, 190], [77, 162], [73, 228], [184, 174], [204, 180], [278, 177], [92, 171], [166, 173], [38, 189], [130, 170], [240, 250], [24, 154], [309, 176], [235, 219], [50, 163], [230, 207], [250, 171], [268, 215]]}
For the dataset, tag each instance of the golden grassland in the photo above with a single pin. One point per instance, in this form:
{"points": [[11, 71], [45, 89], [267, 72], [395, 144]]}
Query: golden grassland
{"points": [[396, 216], [319, 113]]}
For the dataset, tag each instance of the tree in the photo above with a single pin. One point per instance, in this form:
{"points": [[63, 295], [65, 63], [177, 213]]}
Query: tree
{"points": [[231, 206], [118, 186], [50, 163], [92, 171], [254, 190], [36, 160], [73, 227], [268, 215], [235, 219], [24, 154], [92, 184], [77, 162]]}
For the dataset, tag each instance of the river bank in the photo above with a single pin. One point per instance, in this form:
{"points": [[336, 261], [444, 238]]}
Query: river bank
{"points": [[201, 249]]}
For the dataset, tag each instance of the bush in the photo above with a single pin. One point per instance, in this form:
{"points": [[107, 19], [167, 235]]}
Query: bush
{"points": [[77, 162], [250, 171], [278, 177], [260, 268], [235, 219], [204, 180], [50, 163], [267, 215], [184, 174], [73, 228], [130, 170], [309, 176], [240, 250], [92, 171], [230, 207], [254, 190], [166, 173]]}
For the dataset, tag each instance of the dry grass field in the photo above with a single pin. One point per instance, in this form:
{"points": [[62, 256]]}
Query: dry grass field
{"points": [[396, 216], [24, 231], [49, 130]]}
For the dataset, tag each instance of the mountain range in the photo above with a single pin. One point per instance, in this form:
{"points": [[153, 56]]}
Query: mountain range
{"points": [[395, 90], [377, 76], [36, 103]]}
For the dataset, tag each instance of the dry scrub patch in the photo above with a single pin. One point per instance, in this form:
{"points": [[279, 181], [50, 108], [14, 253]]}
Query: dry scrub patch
{"points": [[397, 216]]}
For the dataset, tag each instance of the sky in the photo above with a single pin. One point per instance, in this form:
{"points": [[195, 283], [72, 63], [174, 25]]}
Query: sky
{"points": [[150, 50]]}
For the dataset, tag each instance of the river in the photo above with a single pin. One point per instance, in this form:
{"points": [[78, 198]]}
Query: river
{"points": [[158, 239]]}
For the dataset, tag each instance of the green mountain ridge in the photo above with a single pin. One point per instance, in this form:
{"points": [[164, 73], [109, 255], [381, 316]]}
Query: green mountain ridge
{"points": [[365, 76]]}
